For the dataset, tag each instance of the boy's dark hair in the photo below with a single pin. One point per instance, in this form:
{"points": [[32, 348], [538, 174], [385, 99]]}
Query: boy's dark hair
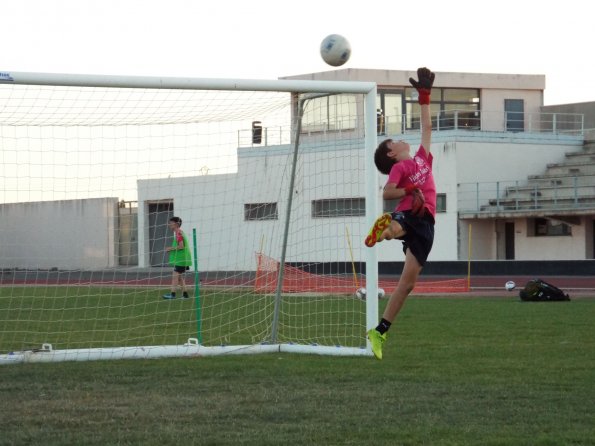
{"points": [[177, 220], [381, 158]]}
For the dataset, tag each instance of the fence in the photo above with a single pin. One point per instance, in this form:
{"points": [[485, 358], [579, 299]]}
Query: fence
{"points": [[545, 193], [389, 125]]}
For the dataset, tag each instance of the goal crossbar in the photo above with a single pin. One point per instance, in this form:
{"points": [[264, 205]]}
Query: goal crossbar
{"points": [[182, 83]]}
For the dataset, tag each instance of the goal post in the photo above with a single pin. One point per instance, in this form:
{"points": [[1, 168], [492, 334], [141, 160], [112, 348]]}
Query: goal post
{"points": [[80, 282]]}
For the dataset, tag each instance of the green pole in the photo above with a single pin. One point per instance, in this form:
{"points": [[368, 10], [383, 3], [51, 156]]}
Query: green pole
{"points": [[197, 290]]}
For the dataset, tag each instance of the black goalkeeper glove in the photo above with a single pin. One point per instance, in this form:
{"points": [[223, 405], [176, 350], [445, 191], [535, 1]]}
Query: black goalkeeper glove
{"points": [[423, 85]]}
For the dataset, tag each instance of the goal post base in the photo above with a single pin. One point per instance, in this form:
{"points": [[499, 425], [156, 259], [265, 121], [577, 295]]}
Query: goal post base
{"points": [[190, 349]]}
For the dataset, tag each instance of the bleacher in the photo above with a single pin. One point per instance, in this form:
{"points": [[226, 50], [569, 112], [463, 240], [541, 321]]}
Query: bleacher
{"points": [[564, 188]]}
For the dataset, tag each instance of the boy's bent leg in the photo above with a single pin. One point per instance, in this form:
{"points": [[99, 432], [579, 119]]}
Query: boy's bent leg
{"points": [[394, 230], [384, 228]]}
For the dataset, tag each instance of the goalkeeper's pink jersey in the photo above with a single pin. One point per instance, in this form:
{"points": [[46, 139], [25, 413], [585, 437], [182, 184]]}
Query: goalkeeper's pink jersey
{"points": [[416, 171]]}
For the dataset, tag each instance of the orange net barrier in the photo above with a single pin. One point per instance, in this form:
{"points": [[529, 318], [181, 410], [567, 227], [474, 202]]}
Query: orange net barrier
{"points": [[296, 280]]}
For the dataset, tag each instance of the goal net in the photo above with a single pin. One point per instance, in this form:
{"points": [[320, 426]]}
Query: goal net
{"points": [[268, 177]]}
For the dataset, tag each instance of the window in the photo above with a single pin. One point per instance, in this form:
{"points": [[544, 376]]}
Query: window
{"points": [[440, 202], [330, 113], [460, 95], [514, 109], [339, 207], [389, 112], [412, 118], [460, 116], [260, 211], [391, 205], [545, 227], [458, 108]]}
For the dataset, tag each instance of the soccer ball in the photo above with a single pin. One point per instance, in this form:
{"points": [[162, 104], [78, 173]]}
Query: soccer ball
{"points": [[361, 293], [335, 50], [510, 285]]}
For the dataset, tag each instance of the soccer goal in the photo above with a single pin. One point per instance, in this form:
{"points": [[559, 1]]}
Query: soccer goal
{"points": [[274, 182]]}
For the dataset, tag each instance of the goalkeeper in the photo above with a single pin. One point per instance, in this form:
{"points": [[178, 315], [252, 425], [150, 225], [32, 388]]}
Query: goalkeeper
{"points": [[179, 258], [410, 179]]}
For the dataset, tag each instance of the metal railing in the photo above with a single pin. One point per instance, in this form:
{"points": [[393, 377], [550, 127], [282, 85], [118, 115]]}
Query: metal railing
{"points": [[269, 136], [543, 193], [392, 125], [498, 121]]}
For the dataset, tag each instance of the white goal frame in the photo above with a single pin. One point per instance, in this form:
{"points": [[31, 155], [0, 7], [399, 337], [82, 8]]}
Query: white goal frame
{"points": [[192, 348]]}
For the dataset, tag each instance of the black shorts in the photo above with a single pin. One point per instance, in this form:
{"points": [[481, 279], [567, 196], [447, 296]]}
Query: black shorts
{"points": [[419, 236], [181, 269]]}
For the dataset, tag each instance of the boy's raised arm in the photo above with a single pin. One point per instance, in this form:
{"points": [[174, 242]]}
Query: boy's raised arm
{"points": [[424, 88]]}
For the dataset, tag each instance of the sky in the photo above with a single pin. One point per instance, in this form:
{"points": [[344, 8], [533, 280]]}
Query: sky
{"points": [[265, 39]]}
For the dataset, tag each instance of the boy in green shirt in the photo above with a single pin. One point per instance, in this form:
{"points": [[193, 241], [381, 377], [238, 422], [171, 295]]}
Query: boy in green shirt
{"points": [[179, 257]]}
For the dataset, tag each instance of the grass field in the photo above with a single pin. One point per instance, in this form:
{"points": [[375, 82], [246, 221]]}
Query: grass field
{"points": [[457, 371], [92, 317]]}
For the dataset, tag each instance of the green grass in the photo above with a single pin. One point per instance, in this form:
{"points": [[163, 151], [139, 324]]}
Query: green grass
{"points": [[84, 317], [457, 371]]}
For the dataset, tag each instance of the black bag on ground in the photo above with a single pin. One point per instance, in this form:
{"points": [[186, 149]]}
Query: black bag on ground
{"points": [[539, 291]]}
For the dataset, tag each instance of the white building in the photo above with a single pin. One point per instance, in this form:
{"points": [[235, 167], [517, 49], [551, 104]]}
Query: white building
{"points": [[501, 166]]}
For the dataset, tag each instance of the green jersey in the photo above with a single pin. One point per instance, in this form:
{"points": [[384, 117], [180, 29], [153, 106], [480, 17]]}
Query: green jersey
{"points": [[180, 257]]}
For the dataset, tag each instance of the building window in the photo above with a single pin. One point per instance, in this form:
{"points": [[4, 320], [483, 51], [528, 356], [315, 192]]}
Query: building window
{"points": [[391, 205], [460, 116], [260, 211], [545, 228], [440, 202], [514, 109], [451, 108], [389, 112], [339, 207], [330, 113]]}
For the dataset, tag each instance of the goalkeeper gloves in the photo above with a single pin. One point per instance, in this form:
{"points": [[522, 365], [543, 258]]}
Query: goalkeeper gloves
{"points": [[418, 203], [423, 85]]}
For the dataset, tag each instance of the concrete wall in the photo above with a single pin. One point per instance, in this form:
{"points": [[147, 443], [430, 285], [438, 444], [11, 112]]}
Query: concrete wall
{"points": [[483, 240], [550, 248], [227, 242], [214, 204], [68, 234], [128, 237], [492, 104], [488, 241]]}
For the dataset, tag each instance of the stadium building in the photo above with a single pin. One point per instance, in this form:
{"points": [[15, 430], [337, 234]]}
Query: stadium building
{"points": [[515, 179]]}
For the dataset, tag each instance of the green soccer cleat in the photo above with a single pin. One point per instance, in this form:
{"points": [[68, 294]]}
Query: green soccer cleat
{"points": [[376, 339]]}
